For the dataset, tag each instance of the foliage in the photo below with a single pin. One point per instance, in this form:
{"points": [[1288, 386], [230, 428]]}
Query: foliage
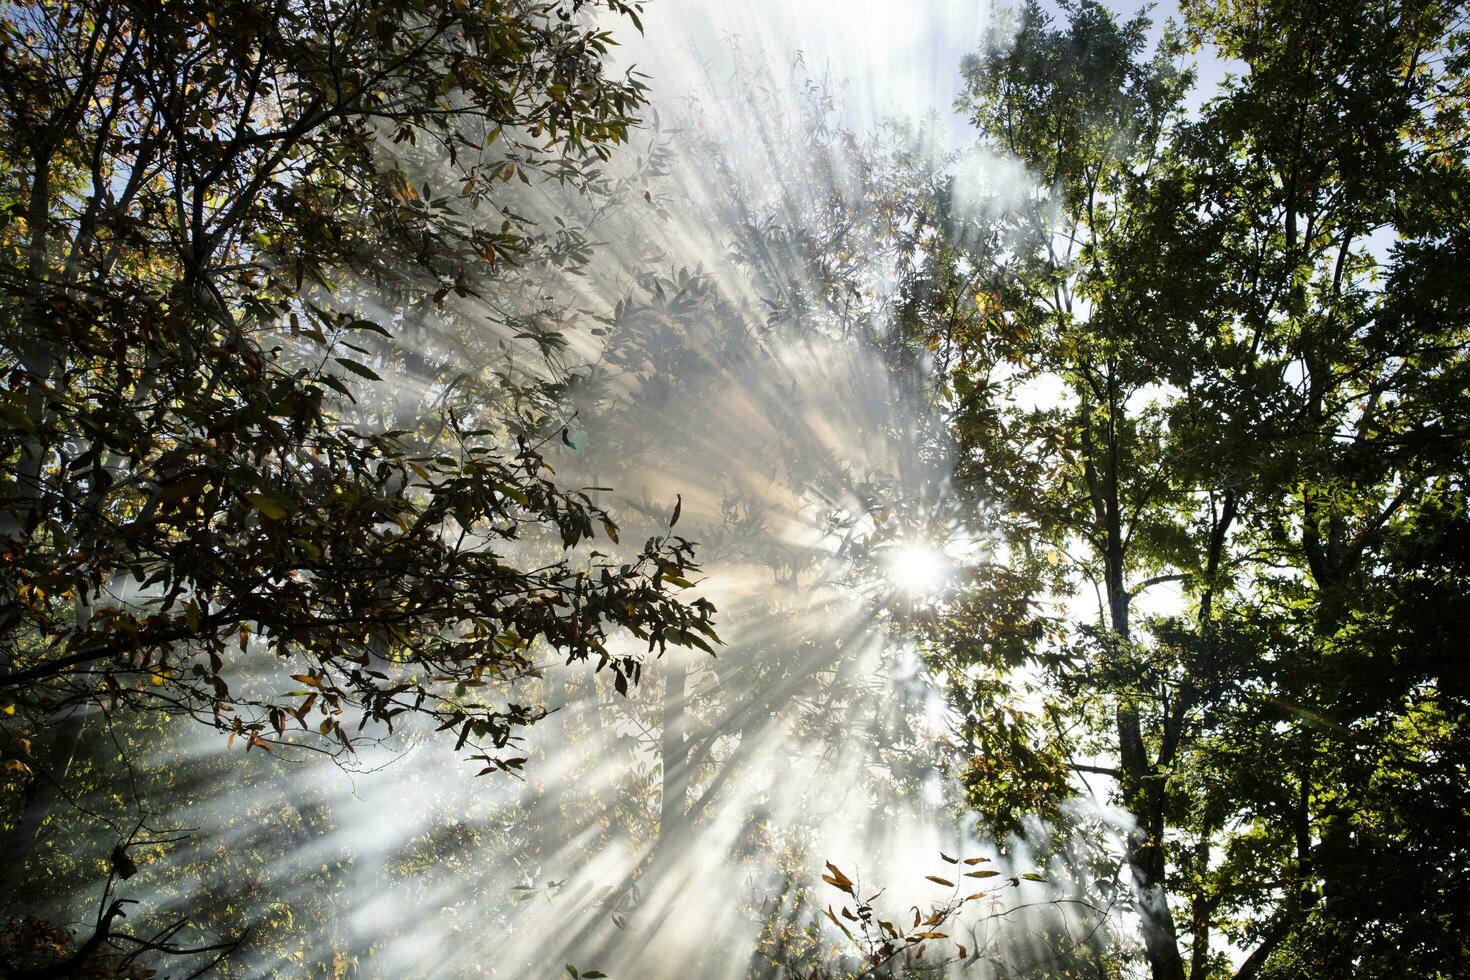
{"points": [[887, 949], [1206, 352], [295, 389], [198, 498]]}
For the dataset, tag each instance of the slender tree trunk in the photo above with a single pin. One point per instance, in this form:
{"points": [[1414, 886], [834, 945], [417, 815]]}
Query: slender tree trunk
{"points": [[42, 792], [1142, 786], [596, 937], [36, 358], [674, 750], [1199, 914], [1143, 848], [1145, 855], [45, 786]]}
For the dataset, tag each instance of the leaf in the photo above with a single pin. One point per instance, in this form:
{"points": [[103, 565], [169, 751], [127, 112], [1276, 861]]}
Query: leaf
{"points": [[306, 679], [839, 880], [1033, 876], [940, 881], [16, 418], [610, 529], [838, 923], [189, 486], [983, 873], [974, 861], [369, 326], [678, 507], [361, 370], [514, 493], [931, 935], [337, 386], [272, 505], [123, 865]]}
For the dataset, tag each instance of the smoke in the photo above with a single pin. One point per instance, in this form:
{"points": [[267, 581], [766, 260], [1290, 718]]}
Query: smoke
{"points": [[731, 354]]}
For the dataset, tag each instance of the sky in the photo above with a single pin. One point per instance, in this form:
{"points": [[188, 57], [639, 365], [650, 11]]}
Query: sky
{"points": [[887, 58]]}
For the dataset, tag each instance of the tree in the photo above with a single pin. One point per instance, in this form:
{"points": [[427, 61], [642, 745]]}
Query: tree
{"points": [[196, 200], [1186, 364]]}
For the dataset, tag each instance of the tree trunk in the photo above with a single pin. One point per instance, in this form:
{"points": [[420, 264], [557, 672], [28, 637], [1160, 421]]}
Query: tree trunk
{"points": [[42, 792], [674, 750], [1142, 786], [1199, 913], [1145, 854]]}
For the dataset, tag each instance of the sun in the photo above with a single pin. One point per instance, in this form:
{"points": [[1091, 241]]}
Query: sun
{"points": [[918, 569]]}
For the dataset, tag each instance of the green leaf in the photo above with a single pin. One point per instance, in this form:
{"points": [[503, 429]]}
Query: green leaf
{"points": [[361, 370], [369, 326], [16, 418], [272, 504]]}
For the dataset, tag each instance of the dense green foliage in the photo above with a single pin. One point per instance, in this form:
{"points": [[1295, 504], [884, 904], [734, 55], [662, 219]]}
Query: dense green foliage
{"points": [[1227, 348]]}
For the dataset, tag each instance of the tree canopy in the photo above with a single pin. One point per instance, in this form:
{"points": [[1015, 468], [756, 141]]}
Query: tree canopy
{"points": [[196, 496], [1224, 350], [343, 341]]}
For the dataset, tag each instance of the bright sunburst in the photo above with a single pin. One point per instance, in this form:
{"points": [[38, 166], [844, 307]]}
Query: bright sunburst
{"points": [[918, 569]]}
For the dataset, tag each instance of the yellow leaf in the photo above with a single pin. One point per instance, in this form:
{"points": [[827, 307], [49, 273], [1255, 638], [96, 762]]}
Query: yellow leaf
{"points": [[272, 505]]}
